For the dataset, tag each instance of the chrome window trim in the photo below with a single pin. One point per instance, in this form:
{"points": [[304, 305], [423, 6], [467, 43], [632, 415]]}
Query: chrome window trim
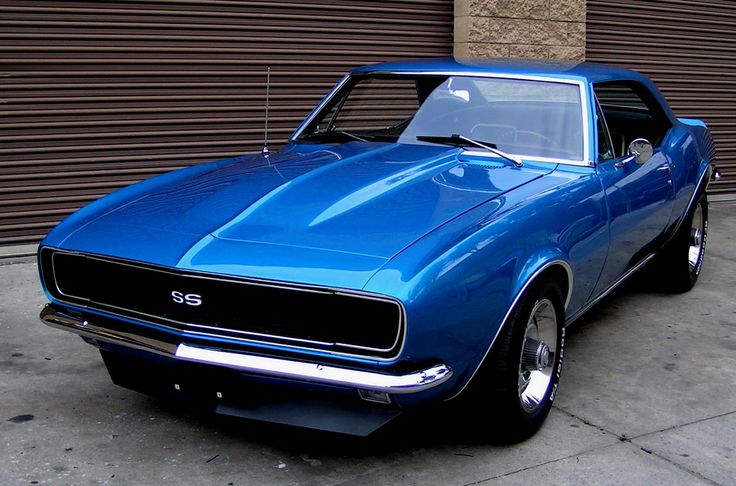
{"points": [[532, 158], [518, 296], [581, 84], [599, 109], [402, 324], [320, 105]]}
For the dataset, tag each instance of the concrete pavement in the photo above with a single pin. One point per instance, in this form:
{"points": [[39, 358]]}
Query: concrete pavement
{"points": [[648, 394]]}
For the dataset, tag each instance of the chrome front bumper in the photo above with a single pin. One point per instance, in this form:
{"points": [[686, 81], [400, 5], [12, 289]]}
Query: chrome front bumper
{"points": [[277, 367]]}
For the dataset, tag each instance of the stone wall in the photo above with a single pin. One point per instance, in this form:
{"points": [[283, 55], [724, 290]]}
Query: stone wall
{"points": [[539, 29]]}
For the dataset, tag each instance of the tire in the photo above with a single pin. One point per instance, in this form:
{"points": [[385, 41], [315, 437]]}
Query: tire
{"points": [[681, 260], [513, 392]]}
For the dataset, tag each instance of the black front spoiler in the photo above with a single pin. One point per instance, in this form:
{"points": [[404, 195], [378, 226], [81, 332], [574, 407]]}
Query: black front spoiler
{"points": [[227, 392]]}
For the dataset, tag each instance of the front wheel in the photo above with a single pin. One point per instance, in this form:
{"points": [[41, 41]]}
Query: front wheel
{"points": [[516, 385]]}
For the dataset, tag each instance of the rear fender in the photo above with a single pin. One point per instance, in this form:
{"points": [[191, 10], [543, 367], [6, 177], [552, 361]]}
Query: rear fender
{"points": [[699, 170]]}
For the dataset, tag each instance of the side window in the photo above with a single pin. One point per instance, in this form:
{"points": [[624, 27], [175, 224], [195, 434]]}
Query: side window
{"points": [[631, 111]]}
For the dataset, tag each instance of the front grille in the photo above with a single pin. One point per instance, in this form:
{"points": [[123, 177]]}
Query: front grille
{"points": [[251, 310]]}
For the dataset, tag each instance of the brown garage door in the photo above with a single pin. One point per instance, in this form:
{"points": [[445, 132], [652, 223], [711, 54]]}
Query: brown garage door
{"points": [[97, 95], [687, 47]]}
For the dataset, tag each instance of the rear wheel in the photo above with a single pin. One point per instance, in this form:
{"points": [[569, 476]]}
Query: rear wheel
{"points": [[681, 260], [513, 392]]}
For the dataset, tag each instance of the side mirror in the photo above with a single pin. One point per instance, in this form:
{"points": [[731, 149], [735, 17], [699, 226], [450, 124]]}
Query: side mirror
{"points": [[641, 149]]}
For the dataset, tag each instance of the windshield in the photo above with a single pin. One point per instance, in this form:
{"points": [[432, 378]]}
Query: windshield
{"points": [[524, 117]]}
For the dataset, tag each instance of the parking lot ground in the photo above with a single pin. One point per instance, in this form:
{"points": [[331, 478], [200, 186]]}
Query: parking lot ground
{"points": [[648, 395]]}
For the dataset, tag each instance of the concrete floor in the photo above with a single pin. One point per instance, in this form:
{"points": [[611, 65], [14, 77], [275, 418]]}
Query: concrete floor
{"points": [[648, 394]]}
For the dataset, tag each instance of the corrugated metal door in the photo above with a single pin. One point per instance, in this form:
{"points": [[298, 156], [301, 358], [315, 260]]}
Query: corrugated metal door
{"points": [[688, 48], [97, 95]]}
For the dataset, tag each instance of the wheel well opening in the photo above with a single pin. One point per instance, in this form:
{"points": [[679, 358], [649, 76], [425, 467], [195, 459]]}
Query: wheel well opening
{"points": [[558, 274]]}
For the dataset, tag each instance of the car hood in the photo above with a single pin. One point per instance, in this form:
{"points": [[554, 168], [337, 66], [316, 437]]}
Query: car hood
{"points": [[321, 208]]}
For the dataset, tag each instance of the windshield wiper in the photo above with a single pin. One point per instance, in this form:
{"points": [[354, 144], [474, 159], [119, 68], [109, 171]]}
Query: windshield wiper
{"points": [[351, 135], [461, 141], [336, 132]]}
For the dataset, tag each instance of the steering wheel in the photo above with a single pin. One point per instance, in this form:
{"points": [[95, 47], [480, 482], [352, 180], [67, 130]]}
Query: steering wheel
{"points": [[545, 140]]}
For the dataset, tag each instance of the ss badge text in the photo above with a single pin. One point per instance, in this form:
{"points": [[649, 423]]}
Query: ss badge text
{"points": [[188, 299]]}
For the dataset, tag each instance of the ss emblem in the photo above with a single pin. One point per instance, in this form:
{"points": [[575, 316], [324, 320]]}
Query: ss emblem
{"points": [[188, 299]]}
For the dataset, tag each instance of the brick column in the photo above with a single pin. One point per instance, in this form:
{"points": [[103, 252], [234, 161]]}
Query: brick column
{"points": [[540, 29]]}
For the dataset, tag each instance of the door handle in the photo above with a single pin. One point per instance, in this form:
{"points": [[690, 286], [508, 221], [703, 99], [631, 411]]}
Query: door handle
{"points": [[664, 169]]}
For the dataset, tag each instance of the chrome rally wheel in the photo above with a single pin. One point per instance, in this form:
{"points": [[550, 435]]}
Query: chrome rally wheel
{"points": [[537, 355], [680, 261], [513, 391], [697, 240]]}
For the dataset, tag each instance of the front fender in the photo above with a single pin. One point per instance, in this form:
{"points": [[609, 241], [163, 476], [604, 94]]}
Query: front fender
{"points": [[459, 283]]}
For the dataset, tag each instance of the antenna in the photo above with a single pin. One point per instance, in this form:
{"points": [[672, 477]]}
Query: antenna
{"points": [[265, 152]]}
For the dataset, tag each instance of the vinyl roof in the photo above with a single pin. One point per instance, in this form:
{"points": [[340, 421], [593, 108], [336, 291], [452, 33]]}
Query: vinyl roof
{"points": [[591, 72]]}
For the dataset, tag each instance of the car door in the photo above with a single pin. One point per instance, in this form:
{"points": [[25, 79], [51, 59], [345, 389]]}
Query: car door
{"points": [[638, 190]]}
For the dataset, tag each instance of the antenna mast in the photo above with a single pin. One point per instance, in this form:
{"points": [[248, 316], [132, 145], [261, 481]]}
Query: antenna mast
{"points": [[265, 152]]}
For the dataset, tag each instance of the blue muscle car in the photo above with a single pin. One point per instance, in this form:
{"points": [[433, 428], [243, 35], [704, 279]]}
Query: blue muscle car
{"points": [[426, 235]]}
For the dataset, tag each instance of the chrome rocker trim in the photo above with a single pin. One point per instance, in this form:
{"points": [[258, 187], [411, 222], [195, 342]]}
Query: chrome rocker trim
{"points": [[277, 367]]}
